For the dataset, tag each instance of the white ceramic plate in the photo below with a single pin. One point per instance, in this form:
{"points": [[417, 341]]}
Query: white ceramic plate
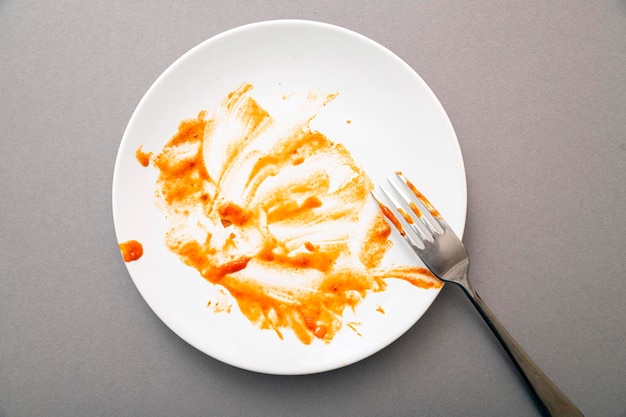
{"points": [[396, 123]]}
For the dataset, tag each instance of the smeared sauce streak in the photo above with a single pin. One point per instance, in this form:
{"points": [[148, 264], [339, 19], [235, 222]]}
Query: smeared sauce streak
{"points": [[421, 197], [415, 209], [131, 250], [391, 216], [405, 215], [270, 212]]}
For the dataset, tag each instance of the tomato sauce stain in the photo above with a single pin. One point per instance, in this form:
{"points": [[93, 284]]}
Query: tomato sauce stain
{"points": [[277, 215], [131, 250], [143, 157]]}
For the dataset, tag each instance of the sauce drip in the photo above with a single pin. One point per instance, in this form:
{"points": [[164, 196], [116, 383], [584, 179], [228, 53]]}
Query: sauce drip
{"points": [[420, 197], [276, 214], [131, 250], [143, 157]]}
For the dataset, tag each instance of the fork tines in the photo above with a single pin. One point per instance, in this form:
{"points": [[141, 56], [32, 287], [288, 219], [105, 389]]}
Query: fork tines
{"points": [[411, 213]]}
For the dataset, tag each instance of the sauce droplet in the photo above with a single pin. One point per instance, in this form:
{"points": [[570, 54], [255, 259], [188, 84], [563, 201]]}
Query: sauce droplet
{"points": [[131, 250], [143, 157]]}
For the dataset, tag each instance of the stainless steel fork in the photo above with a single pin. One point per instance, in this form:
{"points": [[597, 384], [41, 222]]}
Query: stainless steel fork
{"points": [[421, 225]]}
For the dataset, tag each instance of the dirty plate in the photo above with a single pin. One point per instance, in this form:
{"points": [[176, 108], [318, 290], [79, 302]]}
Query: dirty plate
{"points": [[384, 114]]}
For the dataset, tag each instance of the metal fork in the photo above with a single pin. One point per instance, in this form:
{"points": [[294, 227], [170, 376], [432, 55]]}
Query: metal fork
{"points": [[421, 225]]}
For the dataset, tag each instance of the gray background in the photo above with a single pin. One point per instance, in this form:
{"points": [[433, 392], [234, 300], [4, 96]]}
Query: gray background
{"points": [[536, 91]]}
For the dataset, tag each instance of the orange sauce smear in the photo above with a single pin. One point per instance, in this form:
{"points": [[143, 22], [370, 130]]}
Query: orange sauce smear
{"points": [[391, 217], [406, 216], [143, 157], [421, 197], [232, 218], [415, 209], [131, 250]]}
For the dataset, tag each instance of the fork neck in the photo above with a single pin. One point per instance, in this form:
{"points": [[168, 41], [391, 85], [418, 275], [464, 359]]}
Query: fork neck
{"points": [[459, 274]]}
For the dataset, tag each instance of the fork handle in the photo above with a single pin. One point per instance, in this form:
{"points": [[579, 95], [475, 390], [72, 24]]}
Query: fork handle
{"points": [[550, 399]]}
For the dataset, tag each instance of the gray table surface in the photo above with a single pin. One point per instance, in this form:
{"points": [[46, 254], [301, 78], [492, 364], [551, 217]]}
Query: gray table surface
{"points": [[536, 92]]}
